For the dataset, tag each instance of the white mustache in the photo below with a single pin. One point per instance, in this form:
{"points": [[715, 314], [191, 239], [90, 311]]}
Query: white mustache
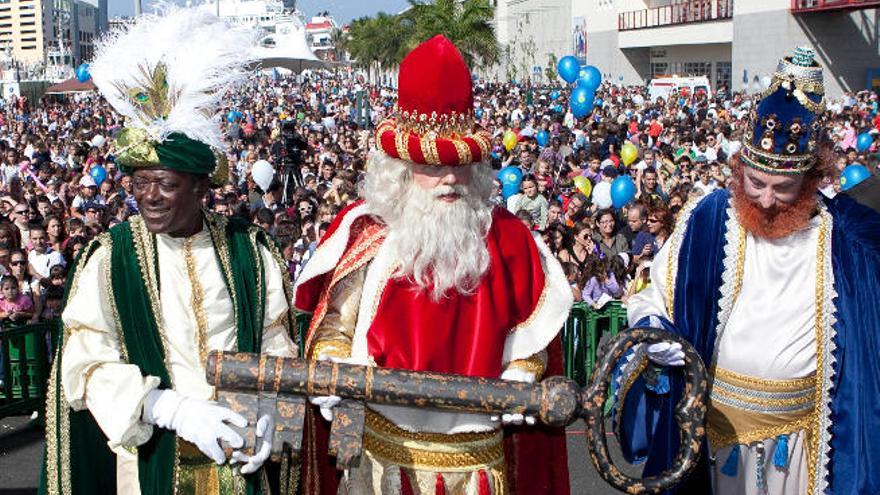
{"points": [[444, 190]]}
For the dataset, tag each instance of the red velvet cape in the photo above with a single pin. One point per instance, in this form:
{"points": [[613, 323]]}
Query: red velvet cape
{"points": [[409, 331]]}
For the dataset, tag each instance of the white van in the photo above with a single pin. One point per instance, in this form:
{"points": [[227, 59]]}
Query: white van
{"points": [[664, 87]]}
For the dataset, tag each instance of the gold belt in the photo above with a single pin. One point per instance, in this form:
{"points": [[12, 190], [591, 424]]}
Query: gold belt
{"points": [[744, 409], [461, 452]]}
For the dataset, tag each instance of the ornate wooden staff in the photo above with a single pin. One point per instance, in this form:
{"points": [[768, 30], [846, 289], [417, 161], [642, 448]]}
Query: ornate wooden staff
{"points": [[252, 384]]}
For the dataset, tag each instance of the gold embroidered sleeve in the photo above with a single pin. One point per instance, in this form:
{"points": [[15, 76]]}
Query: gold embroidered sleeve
{"points": [[535, 364], [334, 333]]}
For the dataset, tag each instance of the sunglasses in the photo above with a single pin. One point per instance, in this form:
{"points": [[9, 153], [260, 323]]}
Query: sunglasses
{"points": [[653, 220], [17, 262]]}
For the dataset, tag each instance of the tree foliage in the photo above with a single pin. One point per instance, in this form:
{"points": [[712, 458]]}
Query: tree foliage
{"points": [[382, 41]]}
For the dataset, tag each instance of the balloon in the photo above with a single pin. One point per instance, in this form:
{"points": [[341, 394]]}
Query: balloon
{"points": [[554, 94], [510, 178], [602, 195], [231, 117], [581, 101], [542, 137], [82, 73], [509, 140], [623, 190], [263, 173], [98, 141], [852, 175], [99, 173], [583, 185], [864, 141], [590, 77], [478, 112], [629, 153], [568, 68]]}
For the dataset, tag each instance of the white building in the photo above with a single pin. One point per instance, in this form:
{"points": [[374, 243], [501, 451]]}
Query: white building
{"points": [[319, 32], [733, 42]]}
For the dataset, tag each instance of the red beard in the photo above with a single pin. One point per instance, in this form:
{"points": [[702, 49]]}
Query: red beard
{"points": [[778, 221]]}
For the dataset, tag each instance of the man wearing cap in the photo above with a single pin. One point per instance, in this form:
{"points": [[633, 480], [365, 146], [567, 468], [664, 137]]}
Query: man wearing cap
{"points": [[425, 275], [129, 409], [777, 289]]}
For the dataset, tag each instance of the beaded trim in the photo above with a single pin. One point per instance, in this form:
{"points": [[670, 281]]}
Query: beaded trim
{"points": [[674, 242], [437, 125]]}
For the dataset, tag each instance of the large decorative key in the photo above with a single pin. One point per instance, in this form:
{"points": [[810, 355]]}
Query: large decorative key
{"points": [[254, 384]]}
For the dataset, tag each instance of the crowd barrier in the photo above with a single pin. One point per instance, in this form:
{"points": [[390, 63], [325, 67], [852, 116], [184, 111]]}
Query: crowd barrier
{"points": [[26, 365]]}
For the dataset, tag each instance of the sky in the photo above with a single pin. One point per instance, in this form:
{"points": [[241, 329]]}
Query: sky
{"points": [[342, 10]]}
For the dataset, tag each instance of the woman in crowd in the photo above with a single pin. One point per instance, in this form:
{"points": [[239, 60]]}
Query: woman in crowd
{"points": [[610, 241], [582, 248]]}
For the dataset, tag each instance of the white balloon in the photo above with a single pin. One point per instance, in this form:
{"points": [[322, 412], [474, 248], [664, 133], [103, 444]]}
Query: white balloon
{"points": [[262, 172], [602, 195], [766, 81], [98, 141]]}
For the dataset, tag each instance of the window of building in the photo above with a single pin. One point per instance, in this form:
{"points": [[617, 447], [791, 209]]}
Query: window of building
{"points": [[32, 23], [697, 69], [722, 74], [29, 47], [29, 40], [659, 69]]}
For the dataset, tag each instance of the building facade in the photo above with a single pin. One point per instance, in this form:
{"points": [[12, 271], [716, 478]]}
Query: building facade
{"points": [[735, 43]]}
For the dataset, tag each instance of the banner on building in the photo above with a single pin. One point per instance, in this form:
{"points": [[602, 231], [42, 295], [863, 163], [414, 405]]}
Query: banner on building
{"points": [[579, 28]]}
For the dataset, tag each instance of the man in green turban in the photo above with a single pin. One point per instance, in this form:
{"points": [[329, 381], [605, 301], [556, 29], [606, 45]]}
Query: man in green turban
{"points": [[129, 409]]}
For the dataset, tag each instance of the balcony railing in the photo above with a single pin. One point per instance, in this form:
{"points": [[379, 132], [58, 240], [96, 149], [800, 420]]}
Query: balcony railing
{"points": [[688, 12], [798, 6]]}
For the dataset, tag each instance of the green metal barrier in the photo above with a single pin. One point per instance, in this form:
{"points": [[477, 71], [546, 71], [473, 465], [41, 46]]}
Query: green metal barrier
{"points": [[581, 335], [25, 367]]}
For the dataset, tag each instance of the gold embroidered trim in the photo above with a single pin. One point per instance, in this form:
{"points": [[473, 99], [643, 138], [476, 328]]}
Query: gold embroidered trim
{"points": [[106, 270], [744, 438], [813, 446], [197, 299], [533, 364], [332, 348], [88, 376], [761, 384], [217, 229], [427, 152], [538, 307], [463, 150], [400, 143], [258, 259], [441, 125]]}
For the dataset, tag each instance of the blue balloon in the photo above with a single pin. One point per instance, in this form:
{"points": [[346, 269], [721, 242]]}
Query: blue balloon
{"points": [[542, 137], [864, 141], [852, 175], [510, 178], [598, 102], [623, 190], [554, 94], [590, 77], [568, 68], [99, 173], [82, 73], [478, 112], [581, 101]]}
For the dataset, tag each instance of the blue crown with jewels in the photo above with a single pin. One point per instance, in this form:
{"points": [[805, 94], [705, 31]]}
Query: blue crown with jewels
{"points": [[784, 127]]}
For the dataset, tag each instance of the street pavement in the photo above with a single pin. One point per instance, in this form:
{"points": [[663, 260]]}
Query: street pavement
{"points": [[21, 450]]}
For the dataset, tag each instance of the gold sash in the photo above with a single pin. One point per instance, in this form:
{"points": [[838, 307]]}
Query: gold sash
{"points": [[745, 409]]}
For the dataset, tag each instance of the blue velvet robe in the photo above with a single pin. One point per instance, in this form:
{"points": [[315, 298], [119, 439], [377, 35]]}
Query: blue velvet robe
{"points": [[647, 429]]}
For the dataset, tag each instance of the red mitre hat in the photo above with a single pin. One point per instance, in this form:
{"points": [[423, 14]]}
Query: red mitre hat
{"points": [[433, 123]]}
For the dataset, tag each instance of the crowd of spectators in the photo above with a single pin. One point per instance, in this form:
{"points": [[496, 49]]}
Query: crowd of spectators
{"points": [[316, 130]]}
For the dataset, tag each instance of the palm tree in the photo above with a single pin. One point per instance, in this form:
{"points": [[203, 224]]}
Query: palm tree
{"points": [[378, 43], [338, 39], [467, 23]]}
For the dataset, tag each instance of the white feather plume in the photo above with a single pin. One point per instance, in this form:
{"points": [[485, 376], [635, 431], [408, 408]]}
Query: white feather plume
{"points": [[205, 60]]}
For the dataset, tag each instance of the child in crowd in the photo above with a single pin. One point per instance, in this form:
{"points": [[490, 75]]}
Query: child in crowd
{"points": [[15, 307], [599, 280]]}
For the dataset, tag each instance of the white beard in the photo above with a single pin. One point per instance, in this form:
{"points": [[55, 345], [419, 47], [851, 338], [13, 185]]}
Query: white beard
{"points": [[439, 245]]}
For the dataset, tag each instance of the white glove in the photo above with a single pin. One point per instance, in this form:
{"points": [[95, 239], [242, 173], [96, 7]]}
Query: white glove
{"points": [[326, 403], [516, 375], [265, 432], [197, 421], [666, 354]]}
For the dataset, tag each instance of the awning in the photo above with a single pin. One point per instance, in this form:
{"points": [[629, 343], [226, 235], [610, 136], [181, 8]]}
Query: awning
{"points": [[71, 85]]}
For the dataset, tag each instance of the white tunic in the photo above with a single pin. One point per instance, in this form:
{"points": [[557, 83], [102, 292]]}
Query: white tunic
{"points": [[94, 374], [770, 334]]}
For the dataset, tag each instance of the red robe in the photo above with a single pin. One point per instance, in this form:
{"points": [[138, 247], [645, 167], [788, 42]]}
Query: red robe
{"points": [[460, 334]]}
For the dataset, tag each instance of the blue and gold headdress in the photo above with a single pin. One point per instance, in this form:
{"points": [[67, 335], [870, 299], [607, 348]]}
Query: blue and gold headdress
{"points": [[167, 75], [784, 128]]}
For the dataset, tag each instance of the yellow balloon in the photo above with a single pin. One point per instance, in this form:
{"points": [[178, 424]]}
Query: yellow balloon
{"points": [[583, 185], [629, 153], [509, 140]]}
